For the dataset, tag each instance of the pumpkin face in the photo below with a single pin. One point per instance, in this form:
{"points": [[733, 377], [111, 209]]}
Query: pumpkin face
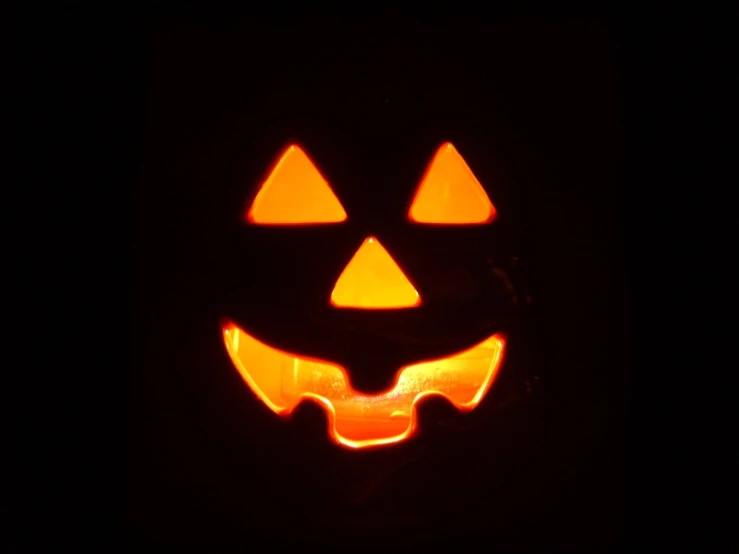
{"points": [[375, 297], [534, 111]]}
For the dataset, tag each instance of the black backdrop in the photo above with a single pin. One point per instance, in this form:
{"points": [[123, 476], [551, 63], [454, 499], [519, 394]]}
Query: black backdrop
{"points": [[535, 109]]}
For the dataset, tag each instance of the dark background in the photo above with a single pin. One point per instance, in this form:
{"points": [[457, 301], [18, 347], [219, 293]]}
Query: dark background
{"points": [[535, 107]]}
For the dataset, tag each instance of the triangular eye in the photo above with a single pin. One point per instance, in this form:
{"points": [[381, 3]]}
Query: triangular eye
{"points": [[450, 194], [295, 193]]}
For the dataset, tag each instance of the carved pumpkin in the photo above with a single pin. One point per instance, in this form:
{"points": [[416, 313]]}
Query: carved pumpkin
{"points": [[296, 195], [535, 113]]}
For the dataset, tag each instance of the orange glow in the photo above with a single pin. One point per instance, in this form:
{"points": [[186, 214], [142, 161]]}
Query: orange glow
{"points": [[295, 193], [372, 280], [282, 380], [450, 194]]}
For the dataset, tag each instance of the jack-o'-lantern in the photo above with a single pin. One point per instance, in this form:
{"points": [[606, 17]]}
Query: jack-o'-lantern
{"points": [[373, 280]]}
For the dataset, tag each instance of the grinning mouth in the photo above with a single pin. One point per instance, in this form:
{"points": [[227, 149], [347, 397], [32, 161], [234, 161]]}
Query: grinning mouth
{"points": [[282, 380]]}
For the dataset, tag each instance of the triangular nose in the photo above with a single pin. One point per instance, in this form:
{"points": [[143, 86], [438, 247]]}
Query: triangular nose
{"points": [[372, 280]]}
